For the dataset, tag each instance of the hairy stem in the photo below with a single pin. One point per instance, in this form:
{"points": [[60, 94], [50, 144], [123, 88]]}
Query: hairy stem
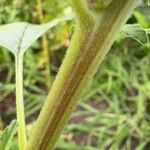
{"points": [[19, 103], [93, 37]]}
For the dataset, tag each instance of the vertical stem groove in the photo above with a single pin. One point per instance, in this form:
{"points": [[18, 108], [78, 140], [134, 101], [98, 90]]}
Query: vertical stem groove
{"points": [[19, 103]]}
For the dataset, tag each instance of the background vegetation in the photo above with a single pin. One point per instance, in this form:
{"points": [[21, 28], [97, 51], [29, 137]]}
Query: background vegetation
{"points": [[113, 114]]}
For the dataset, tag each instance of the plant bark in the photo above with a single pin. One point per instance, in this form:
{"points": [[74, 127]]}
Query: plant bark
{"points": [[94, 34]]}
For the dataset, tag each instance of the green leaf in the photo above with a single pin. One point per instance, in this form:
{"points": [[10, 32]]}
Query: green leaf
{"points": [[147, 30], [141, 19], [136, 32], [18, 37], [62, 144], [7, 136]]}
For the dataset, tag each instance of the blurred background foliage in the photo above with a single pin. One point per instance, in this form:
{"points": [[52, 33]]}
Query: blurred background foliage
{"points": [[114, 112]]}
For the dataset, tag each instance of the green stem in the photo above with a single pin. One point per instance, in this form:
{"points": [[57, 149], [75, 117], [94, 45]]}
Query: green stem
{"points": [[19, 103], [93, 37]]}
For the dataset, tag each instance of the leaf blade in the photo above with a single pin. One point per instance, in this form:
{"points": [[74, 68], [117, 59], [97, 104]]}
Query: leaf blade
{"points": [[7, 135], [136, 32], [39, 30], [18, 37]]}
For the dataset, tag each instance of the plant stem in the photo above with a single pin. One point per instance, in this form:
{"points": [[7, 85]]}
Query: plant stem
{"points": [[93, 37], [45, 48], [19, 103]]}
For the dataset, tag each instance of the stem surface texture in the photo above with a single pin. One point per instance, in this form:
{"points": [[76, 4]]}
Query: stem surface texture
{"points": [[93, 37]]}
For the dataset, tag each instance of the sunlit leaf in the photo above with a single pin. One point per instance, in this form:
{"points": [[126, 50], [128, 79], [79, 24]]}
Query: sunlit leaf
{"points": [[141, 19], [18, 37], [134, 31]]}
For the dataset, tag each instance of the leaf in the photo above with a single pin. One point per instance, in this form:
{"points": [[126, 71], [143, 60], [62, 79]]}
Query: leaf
{"points": [[7, 136], [18, 37], [141, 19], [136, 32], [147, 30], [62, 144]]}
